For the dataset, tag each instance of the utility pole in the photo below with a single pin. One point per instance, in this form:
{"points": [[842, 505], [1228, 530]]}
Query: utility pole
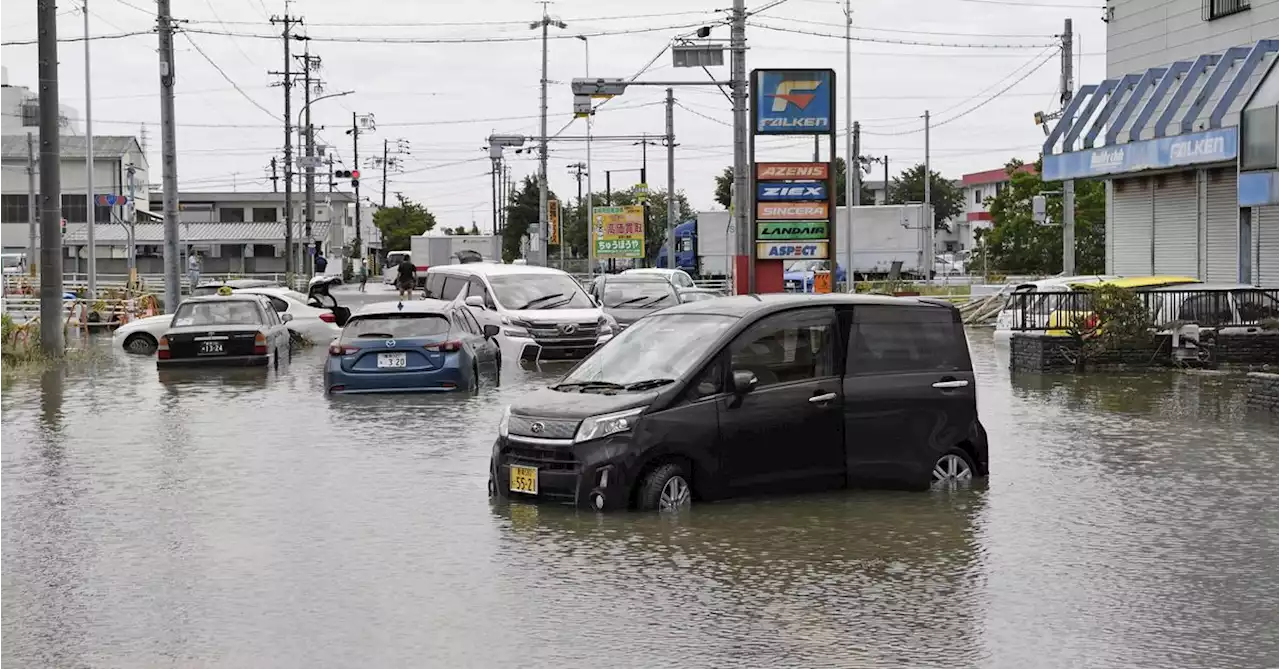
{"points": [[131, 211], [32, 207], [385, 167], [309, 63], [355, 160], [742, 198], [852, 186], [168, 159], [91, 211], [926, 257], [537, 241], [1069, 185], [671, 180], [51, 342], [287, 83], [579, 170], [275, 178]]}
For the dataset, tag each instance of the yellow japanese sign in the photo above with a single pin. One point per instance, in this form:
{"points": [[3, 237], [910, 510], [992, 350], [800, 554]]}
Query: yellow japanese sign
{"points": [[553, 221], [618, 232]]}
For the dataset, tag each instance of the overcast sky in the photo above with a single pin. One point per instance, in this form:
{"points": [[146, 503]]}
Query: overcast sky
{"points": [[446, 98]]}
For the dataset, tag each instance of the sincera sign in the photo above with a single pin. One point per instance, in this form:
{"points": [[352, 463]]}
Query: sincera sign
{"points": [[791, 250]]}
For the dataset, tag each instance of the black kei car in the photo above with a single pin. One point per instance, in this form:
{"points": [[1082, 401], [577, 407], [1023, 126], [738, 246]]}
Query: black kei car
{"points": [[225, 330], [752, 394]]}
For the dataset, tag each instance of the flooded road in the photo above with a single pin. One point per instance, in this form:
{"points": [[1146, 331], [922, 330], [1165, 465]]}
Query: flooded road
{"points": [[246, 520]]}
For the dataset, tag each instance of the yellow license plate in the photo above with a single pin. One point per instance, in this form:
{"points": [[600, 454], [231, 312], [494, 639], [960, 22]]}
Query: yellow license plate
{"points": [[524, 479]]}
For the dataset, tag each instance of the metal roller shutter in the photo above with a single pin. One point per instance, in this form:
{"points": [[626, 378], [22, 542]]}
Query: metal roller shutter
{"points": [[1132, 209], [1266, 230], [1222, 227], [1177, 229]]}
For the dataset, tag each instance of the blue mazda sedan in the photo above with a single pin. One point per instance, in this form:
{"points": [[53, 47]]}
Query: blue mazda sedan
{"points": [[413, 346]]}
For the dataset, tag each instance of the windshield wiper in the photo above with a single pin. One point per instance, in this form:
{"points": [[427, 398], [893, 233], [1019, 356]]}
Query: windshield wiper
{"points": [[649, 384], [558, 304], [626, 302], [582, 386], [544, 298]]}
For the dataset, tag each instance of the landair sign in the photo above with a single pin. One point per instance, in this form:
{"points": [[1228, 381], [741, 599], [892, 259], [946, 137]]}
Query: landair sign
{"points": [[791, 250], [796, 102], [790, 231]]}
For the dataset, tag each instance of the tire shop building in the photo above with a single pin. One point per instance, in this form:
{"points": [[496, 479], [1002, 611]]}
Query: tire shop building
{"points": [[1185, 139]]}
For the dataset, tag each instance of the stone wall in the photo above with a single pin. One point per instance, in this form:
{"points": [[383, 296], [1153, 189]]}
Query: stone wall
{"points": [[1039, 353], [1263, 389]]}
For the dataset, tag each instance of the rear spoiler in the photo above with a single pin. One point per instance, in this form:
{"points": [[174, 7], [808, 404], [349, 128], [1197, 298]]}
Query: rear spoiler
{"points": [[422, 268]]}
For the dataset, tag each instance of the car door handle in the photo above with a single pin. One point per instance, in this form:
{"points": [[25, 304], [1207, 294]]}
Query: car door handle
{"points": [[819, 399], [953, 383]]}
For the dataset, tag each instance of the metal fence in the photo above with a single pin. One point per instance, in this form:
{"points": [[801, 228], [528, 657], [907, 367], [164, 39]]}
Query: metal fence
{"points": [[1239, 307]]}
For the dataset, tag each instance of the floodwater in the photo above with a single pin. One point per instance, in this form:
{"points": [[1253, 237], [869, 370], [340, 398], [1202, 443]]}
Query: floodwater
{"points": [[245, 520]]}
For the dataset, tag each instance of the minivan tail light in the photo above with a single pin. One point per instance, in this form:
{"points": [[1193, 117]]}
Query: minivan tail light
{"points": [[259, 344], [162, 348], [445, 346], [327, 317]]}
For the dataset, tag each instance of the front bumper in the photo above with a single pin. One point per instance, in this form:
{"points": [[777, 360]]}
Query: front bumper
{"points": [[595, 475], [220, 361]]}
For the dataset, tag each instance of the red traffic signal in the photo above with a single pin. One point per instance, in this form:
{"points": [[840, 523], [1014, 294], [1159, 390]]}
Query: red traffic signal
{"points": [[355, 174]]}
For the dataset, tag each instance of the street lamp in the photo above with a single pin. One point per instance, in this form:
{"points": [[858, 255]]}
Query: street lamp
{"points": [[310, 166]]}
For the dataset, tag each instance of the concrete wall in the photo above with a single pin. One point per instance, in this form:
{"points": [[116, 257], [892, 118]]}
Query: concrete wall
{"points": [[1264, 391], [1038, 353], [1147, 33]]}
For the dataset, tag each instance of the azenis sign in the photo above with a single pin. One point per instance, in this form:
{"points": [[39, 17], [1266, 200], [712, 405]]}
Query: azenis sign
{"points": [[803, 171]]}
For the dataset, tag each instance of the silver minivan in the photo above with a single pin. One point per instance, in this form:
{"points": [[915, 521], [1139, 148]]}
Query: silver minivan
{"points": [[544, 313]]}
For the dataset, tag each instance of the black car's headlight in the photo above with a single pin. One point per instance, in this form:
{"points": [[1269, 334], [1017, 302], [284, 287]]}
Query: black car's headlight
{"points": [[598, 427]]}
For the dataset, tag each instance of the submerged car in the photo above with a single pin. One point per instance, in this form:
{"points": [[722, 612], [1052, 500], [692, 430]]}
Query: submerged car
{"points": [[749, 394], [629, 297], [225, 330], [412, 346]]}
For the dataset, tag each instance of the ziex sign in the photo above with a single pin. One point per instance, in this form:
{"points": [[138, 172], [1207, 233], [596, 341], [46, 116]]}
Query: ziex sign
{"points": [[783, 171], [773, 192], [791, 211], [791, 250], [798, 102], [1199, 148], [786, 231]]}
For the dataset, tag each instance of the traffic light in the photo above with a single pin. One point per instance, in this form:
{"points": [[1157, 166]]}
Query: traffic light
{"points": [[353, 175]]}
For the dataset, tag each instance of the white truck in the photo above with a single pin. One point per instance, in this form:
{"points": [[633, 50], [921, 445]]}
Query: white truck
{"points": [[882, 234], [429, 250]]}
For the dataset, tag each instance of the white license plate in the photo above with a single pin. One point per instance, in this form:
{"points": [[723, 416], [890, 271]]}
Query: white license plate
{"points": [[391, 360], [211, 348]]}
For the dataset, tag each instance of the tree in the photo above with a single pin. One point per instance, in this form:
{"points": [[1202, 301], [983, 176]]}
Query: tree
{"points": [[1016, 243], [522, 217], [401, 222], [725, 180], [946, 197]]}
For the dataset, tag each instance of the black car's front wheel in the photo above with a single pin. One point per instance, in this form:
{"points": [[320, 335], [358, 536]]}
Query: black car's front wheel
{"points": [[665, 488]]}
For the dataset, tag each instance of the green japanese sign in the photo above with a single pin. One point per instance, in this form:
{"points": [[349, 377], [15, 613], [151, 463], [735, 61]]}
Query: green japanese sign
{"points": [[788, 230]]}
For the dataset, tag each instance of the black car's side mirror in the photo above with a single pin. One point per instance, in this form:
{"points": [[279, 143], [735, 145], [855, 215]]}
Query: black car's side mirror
{"points": [[491, 331], [744, 381]]}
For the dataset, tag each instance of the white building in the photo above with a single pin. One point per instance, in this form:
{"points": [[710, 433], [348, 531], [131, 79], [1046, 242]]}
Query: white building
{"points": [[21, 111], [1164, 131], [119, 168]]}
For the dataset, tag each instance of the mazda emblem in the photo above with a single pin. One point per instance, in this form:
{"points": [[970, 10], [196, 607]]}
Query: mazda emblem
{"points": [[391, 343], [537, 427]]}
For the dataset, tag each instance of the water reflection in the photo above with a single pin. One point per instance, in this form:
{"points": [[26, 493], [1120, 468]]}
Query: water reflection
{"points": [[243, 518]]}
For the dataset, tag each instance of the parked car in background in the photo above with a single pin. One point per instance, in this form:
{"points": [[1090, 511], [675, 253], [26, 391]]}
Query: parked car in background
{"points": [[1230, 309], [317, 316], [751, 394], [212, 287], [413, 346], [629, 297], [1038, 299], [225, 330], [678, 277], [392, 266], [798, 277], [542, 313]]}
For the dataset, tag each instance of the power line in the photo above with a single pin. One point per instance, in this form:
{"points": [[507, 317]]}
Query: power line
{"points": [[112, 36], [152, 14], [454, 40], [229, 79], [885, 40], [910, 32], [1033, 5], [464, 24]]}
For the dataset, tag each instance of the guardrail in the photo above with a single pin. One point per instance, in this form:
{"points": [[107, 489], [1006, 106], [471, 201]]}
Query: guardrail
{"points": [[1240, 307], [83, 313]]}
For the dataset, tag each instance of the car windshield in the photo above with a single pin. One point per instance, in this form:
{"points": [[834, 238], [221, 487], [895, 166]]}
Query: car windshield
{"points": [[660, 346], [227, 312], [395, 326], [638, 295], [539, 291]]}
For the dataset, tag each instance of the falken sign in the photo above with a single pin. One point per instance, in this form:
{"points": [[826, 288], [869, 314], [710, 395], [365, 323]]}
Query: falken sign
{"points": [[781, 192], [1198, 148], [797, 102]]}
